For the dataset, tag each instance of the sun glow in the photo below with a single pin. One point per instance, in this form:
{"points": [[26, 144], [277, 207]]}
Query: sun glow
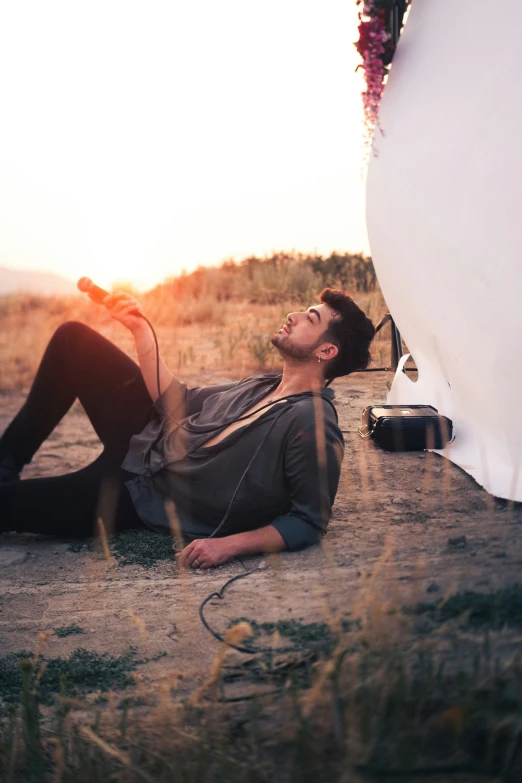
{"points": [[138, 140]]}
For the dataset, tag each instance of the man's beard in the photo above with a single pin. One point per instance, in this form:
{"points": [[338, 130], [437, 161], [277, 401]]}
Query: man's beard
{"points": [[287, 348]]}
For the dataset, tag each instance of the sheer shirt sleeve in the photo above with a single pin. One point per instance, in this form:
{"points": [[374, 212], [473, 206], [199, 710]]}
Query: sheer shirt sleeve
{"points": [[313, 479]]}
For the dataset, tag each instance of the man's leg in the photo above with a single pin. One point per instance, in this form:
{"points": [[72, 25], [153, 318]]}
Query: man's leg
{"points": [[68, 506], [79, 363]]}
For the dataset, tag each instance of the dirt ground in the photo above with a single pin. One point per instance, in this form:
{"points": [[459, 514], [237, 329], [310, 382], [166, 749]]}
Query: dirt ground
{"points": [[413, 505]]}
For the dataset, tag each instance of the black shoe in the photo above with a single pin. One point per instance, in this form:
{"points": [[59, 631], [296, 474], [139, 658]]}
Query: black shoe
{"points": [[8, 471]]}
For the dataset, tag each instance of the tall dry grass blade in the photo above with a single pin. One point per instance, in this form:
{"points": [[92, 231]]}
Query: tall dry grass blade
{"points": [[366, 496], [234, 636], [322, 478], [513, 488], [174, 524], [41, 644], [446, 467], [121, 756], [485, 471], [138, 623], [177, 533], [428, 469], [105, 545], [107, 504]]}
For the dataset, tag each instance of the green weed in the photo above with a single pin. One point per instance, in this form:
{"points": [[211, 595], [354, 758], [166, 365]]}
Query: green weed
{"points": [[83, 671], [259, 349], [133, 547], [494, 610], [67, 630]]}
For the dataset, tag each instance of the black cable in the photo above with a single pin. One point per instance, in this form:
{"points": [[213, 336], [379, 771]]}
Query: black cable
{"points": [[157, 353], [240, 648], [256, 452], [220, 594]]}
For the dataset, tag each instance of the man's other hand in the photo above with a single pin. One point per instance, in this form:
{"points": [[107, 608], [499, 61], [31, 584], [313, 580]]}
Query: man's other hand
{"points": [[205, 553]]}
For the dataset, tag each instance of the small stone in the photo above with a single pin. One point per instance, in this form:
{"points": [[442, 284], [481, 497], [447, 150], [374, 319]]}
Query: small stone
{"points": [[418, 489], [61, 549], [458, 541], [9, 557], [397, 500], [263, 565], [433, 587]]}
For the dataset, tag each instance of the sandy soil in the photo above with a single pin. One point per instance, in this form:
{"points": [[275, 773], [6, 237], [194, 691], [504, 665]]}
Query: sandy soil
{"points": [[412, 503]]}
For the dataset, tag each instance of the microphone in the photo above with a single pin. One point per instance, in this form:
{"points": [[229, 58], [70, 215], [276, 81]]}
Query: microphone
{"points": [[96, 293]]}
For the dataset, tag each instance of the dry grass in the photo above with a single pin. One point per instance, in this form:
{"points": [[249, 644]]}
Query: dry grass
{"points": [[377, 700], [194, 333]]}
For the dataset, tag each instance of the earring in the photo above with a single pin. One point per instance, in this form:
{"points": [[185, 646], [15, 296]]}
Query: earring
{"points": [[318, 358]]}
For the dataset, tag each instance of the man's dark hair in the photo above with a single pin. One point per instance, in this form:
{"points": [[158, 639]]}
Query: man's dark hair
{"points": [[350, 330]]}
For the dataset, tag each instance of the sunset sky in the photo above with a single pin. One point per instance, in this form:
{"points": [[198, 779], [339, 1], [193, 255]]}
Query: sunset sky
{"points": [[140, 139]]}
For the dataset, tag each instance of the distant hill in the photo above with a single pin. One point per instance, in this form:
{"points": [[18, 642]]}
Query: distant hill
{"points": [[26, 281]]}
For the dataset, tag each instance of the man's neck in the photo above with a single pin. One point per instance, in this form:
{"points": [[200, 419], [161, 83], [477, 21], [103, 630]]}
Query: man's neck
{"points": [[300, 378]]}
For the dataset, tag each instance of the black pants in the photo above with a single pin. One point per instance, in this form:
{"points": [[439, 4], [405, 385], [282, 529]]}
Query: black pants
{"points": [[78, 363]]}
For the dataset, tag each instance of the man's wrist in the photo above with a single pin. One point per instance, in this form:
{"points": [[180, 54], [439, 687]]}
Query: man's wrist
{"points": [[141, 329], [253, 542], [143, 339], [231, 545]]}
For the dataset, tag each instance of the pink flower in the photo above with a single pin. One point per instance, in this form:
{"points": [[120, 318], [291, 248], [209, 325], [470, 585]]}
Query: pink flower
{"points": [[376, 49]]}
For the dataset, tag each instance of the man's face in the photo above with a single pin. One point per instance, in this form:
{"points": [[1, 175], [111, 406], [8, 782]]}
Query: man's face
{"points": [[302, 333]]}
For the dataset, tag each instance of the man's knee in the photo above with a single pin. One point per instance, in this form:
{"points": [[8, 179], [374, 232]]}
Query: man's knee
{"points": [[72, 332]]}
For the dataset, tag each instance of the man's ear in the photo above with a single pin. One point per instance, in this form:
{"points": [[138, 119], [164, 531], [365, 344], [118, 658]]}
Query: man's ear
{"points": [[329, 351]]}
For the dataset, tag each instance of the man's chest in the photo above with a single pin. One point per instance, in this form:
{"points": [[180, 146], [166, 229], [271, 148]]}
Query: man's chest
{"points": [[246, 418]]}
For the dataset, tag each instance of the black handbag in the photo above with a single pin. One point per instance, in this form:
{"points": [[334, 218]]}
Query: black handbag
{"points": [[406, 427]]}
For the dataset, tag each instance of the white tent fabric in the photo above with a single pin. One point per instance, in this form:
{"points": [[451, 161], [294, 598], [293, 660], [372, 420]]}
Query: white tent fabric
{"points": [[444, 215]]}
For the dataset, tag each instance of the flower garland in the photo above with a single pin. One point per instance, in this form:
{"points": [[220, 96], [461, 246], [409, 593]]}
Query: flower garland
{"points": [[380, 22]]}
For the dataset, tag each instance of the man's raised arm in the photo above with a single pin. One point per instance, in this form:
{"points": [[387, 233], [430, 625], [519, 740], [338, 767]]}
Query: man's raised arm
{"points": [[146, 350], [127, 310]]}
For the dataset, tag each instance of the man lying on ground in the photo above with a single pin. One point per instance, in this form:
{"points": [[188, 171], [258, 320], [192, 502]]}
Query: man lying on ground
{"points": [[250, 467]]}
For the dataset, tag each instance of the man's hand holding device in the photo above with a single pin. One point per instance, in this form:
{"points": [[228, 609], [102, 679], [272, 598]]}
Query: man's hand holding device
{"points": [[121, 306]]}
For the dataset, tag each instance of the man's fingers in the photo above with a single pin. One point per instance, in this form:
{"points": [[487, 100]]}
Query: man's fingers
{"points": [[121, 307], [187, 555], [111, 299], [128, 309], [196, 555], [202, 562], [193, 559], [118, 299]]}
